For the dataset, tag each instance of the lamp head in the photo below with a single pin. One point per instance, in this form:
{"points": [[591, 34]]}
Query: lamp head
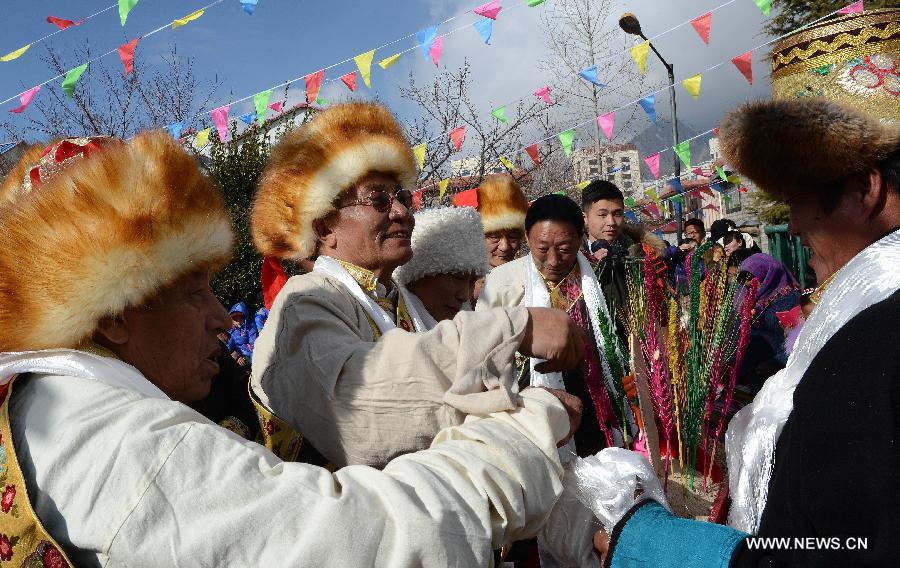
{"points": [[630, 24]]}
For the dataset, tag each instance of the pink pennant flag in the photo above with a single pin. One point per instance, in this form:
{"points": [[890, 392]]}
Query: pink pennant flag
{"points": [[25, 99], [711, 206], [744, 63], [702, 25], [653, 163], [544, 94], [698, 171], [437, 48], [653, 209], [489, 10], [607, 122], [313, 84], [276, 106], [457, 135], [126, 54], [350, 80], [220, 119], [854, 8], [532, 152]]}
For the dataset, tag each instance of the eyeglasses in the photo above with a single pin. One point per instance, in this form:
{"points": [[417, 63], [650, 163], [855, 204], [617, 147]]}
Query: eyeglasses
{"points": [[382, 200]]}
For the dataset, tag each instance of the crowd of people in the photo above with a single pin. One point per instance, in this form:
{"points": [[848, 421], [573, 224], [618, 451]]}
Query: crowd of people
{"points": [[417, 396]]}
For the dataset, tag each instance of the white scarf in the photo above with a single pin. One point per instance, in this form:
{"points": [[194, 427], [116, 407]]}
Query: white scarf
{"points": [[418, 313], [870, 277], [332, 268]]}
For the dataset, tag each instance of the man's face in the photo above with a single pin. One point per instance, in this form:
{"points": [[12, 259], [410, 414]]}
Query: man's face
{"points": [[824, 232], [605, 219], [503, 246], [693, 232], [554, 246], [172, 339], [444, 294], [373, 239]]}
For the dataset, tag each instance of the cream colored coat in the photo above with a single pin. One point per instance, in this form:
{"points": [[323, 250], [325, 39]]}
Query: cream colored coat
{"points": [[317, 365], [504, 286]]}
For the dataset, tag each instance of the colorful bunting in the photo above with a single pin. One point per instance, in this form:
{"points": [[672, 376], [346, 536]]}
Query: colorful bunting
{"points": [[692, 85], [442, 187], [261, 102], [458, 135], [590, 75], [322, 101], [683, 150], [500, 114], [639, 54], [765, 6], [175, 129], [437, 48], [249, 5], [702, 25], [648, 103], [489, 10], [721, 173], [485, 29], [678, 199], [247, 118], [630, 202], [388, 61], [68, 84], [189, 18], [364, 63], [62, 24], [509, 165], [651, 193], [566, 137], [313, 84], [711, 206], [417, 198], [854, 8], [220, 119], [653, 210], [350, 80], [580, 186], [125, 8], [533, 3], [744, 64], [276, 106], [607, 122], [426, 39], [202, 138], [126, 54], [632, 217], [653, 163], [25, 99], [419, 153], [15, 54], [532, 152], [544, 94], [467, 198]]}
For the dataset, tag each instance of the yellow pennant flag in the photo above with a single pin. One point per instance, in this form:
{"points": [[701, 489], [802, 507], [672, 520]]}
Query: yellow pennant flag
{"points": [[507, 163], [388, 61], [652, 195], [442, 187], [583, 185], [189, 18], [364, 62], [15, 54], [692, 85], [639, 54], [202, 138], [419, 153]]}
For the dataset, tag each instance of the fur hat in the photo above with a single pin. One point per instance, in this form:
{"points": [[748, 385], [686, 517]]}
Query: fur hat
{"points": [[106, 233], [446, 240], [501, 203], [315, 163], [787, 146]]}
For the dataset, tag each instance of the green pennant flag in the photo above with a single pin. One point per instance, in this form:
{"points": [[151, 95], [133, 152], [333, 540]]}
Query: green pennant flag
{"points": [[721, 173], [765, 6], [261, 102], [321, 102], [566, 137], [500, 114], [630, 202], [678, 199], [563, 193], [68, 84], [125, 7], [683, 149], [533, 3]]}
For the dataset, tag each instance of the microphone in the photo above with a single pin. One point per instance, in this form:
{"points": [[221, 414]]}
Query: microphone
{"points": [[599, 244]]}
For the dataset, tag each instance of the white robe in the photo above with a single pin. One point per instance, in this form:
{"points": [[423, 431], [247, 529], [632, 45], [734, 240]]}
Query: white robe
{"points": [[122, 476]]}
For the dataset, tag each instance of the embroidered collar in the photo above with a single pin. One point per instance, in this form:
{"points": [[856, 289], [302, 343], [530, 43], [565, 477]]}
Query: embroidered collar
{"points": [[367, 281]]}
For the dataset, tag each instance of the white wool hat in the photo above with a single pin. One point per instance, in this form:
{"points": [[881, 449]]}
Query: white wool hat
{"points": [[445, 240]]}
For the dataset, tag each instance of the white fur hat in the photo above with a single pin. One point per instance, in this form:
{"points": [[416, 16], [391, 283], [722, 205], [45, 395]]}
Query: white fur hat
{"points": [[445, 240]]}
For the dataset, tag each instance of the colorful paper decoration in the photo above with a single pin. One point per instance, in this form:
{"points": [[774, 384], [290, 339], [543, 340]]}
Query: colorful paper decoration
{"points": [[702, 25], [467, 198], [202, 138], [125, 8], [489, 10], [544, 94], [15, 54], [509, 165], [590, 75], [485, 29], [68, 84], [458, 135], [500, 114], [364, 63], [744, 64], [721, 173], [765, 6], [533, 3], [313, 84], [417, 198], [276, 106], [532, 152], [437, 48], [189, 18], [653, 163], [25, 99], [442, 187], [419, 153], [249, 5], [566, 137], [426, 39], [630, 202], [247, 118], [692, 85], [639, 54], [854, 8], [388, 61], [175, 129], [648, 103], [350, 80], [651, 193], [261, 102], [62, 24], [220, 119], [607, 122], [126, 54], [322, 101], [580, 186], [632, 217], [683, 150]]}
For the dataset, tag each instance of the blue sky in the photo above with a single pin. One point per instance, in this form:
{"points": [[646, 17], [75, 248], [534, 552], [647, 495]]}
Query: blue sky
{"points": [[286, 39]]}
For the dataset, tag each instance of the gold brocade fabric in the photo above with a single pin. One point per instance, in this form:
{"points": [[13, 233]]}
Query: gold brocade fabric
{"points": [[393, 303], [566, 293], [23, 540], [278, 436]]}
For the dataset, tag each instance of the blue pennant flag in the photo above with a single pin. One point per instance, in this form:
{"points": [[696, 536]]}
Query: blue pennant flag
{"points": [[676, 185], [485, 28], [249, 5], [648, 103], [426, 39], [590, 75], [632, 217], [175, 129], [248, 118], [716, 187]]}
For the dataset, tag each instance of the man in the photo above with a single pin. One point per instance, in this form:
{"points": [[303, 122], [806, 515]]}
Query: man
{"points": [[814, 458], [104, 281], [502, 206], [334, 362], [695, 230], [721, 227], [448, 257]]}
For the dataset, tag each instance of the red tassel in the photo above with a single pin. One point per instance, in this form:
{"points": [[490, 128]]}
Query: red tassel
{"points": [[273, 279]]}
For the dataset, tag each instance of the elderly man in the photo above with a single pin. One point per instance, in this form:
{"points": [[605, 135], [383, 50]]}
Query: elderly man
{"points": [[334, 361], [105, 280], [814, 458], [502, 206], [448, 257]]}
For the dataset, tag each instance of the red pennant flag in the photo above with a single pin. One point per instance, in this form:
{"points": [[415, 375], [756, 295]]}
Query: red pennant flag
{"points": [[716, 131], [276, 106], [702, 25], [273, 279], [697, 171], [707, 191], [62, 24], [126, 53], [457, 135], [532, 152], [467, 198], [744, 63], [350, 80], [313, 84], [417, 198], [743, 189]]}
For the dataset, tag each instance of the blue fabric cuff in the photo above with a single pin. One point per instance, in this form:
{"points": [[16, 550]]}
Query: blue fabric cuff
{"points": [[651, 536]]}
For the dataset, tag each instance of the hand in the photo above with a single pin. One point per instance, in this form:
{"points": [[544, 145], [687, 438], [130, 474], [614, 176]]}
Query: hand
{"points": [[601, 545], [241, 361], [601, 254], [552, 335], [573, 407], [688, 246], [630, 386]]}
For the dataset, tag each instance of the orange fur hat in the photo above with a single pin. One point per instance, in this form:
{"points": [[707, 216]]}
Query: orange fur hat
{"points": [[501, 203], [311, 166], [103, 233]]}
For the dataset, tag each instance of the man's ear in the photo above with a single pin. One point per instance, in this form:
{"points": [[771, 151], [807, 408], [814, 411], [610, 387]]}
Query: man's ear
{"points": [[325, 232], [872, 191], [112, 331]]}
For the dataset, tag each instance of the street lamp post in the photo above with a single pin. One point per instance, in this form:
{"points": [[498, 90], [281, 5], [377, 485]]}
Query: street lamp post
{"points": [[630, 25]]}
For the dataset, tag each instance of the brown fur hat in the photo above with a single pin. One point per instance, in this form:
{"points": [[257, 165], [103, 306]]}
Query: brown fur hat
{"points": [[790, 146], [501, 203], [106, 233], [315, 163]]}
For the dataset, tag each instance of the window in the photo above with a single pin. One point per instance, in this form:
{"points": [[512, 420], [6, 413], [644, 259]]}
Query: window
{"points": [[593, 170], [627, 184], [592, 162]]}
